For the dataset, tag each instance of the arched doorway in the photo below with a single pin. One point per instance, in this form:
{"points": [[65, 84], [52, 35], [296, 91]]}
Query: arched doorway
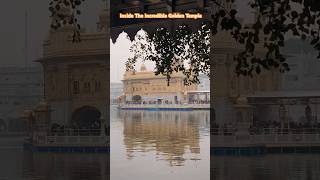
{"points": [[136, 98], [86, 117]]}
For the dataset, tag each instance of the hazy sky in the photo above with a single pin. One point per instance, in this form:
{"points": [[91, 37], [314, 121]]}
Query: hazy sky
{"points": [[12, 31], [119, 54]]}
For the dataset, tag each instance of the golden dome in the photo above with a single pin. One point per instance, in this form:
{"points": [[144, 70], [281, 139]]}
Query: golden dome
{"points": [[143, 68]]}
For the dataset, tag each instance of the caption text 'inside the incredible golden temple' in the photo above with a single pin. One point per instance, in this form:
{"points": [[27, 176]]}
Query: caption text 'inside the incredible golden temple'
{"points": [[160, 16]]}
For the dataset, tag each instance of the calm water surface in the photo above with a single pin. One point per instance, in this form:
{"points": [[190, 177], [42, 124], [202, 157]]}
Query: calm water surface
{"points": [[270, 167], [160, 145], [153, 146], [16, 164]]}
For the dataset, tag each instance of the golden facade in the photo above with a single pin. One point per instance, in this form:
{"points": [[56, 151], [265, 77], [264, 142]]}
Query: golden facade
{"points": [[148, 86]]}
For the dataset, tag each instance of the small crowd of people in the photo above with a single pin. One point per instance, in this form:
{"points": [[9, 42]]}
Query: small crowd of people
{"points": [[226, 129], [63, 130], [291, 127], [166, 102], [153, 102], [268, 127], [200, 102]]}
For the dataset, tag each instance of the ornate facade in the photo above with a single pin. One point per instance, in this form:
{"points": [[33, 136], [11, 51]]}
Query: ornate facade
{"points": [[149, 87], [228, 89], [76, 74]]}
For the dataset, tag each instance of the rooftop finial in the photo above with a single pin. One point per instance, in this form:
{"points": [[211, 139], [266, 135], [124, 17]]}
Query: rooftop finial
{"points": [[143, 68]]}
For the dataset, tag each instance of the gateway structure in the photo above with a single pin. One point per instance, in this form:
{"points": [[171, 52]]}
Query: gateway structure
{"points": [[73, 116], [76, 74]]}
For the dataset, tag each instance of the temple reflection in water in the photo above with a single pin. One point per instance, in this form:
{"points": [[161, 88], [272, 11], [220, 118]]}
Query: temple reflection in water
{"points": [[171, 135]]}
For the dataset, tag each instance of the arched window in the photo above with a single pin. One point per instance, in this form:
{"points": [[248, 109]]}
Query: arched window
{"points": [[97, 86], [87, 87], [75, 87]]}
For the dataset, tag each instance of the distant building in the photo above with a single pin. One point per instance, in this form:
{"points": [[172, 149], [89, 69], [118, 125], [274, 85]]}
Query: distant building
{"points": [[204, 83], [20, 88], [116, 90]]}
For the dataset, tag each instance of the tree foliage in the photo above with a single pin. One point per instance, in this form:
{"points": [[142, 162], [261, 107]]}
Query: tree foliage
{"points": [[177, 51], [66, 12], [275, 19]]}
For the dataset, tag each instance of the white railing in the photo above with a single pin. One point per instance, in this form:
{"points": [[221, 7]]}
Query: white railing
{"points": [[268, 137], [71, 140], [70, 137], [285, 131], [76, 132], [77, 140], [229, 131], [177, 106]]}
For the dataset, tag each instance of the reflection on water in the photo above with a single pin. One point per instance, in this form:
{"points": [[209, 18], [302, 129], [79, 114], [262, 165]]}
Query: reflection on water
{"points": [[165, 146], [65, 166], [169, 134], [17, 164], [284, 167], [160, 142]]}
